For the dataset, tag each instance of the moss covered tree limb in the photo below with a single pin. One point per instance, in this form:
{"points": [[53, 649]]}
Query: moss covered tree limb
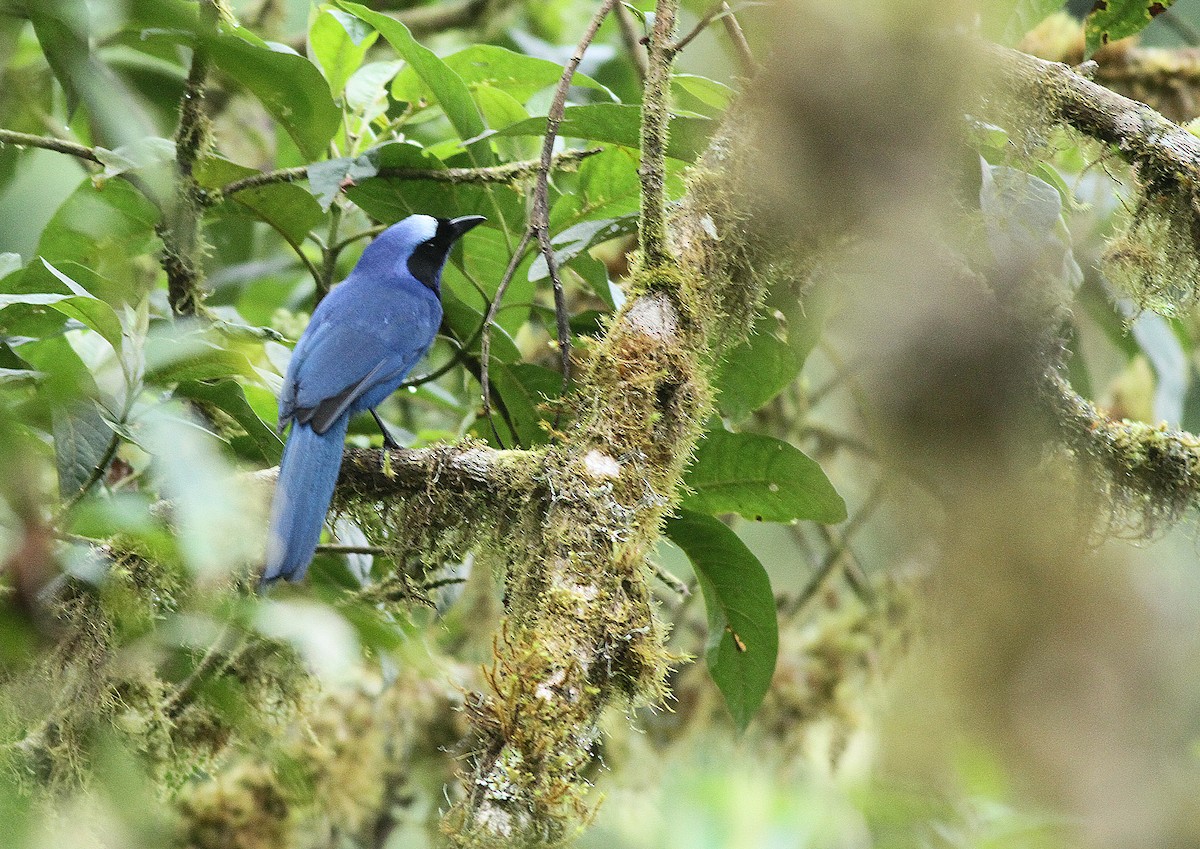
{"points": [[180, 230], [1155, 257]]}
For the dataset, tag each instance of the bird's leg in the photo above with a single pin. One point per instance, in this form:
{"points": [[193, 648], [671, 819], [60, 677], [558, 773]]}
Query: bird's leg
{"points": [[388, 440]]}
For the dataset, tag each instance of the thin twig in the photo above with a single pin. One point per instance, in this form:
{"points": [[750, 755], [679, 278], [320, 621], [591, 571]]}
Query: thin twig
{"points": [[485, 342], [749, 64], [673, 582], [510, 172], [335, 548], [633, 41], [718, 9], [45, 143], [225, 650], [540, 216], [833, 560]]}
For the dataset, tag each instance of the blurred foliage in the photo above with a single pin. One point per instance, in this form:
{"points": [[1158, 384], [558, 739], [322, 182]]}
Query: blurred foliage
{"points": [[148, 697]]}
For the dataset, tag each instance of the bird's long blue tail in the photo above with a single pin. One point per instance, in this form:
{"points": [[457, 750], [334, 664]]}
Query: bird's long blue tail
{"points": [[307, 475]]}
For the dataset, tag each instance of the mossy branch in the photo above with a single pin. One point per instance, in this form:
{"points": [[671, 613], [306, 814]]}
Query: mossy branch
{"points": [[656, 118], [183, 243], [1155, 259]]}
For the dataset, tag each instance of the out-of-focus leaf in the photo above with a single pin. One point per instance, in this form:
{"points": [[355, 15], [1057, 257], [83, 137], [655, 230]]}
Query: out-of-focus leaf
{"points": [[717, 96], [366, 90], [743, 632], [81, 306], [220, 521], [449, 89], [10, 263], [82, 441], [339, 42], [326, 177], [261, 443], [285, 206], [1023, 220], [1112, 20], [108, 229], [618, 123], [324, 639], [1171, 368], [146, 152], [1008, 20], [288, 86], [519, 75], [761, 478]]}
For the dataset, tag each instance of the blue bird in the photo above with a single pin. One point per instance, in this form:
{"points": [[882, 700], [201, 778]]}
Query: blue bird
{"points": [[363, 339]]}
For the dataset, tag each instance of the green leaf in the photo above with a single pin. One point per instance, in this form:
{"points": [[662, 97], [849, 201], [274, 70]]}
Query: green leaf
{"points": [[339, 42], [81, 306], [760, 368], [743, 632], [1111, 20], [1008, 20], [618, 123], [260, 443], [573, 241], [82, 440], [10, 263], [717, 96], [287, 207], [289, 86], [104, 228], [449, 89], [518, 75], [760, 478]]}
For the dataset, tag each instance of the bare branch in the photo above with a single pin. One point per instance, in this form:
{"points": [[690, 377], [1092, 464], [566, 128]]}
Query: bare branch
{"points": [[57, 145]]}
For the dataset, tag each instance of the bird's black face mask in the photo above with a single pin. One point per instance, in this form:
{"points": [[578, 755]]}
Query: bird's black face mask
{"points": [[427, 258]]}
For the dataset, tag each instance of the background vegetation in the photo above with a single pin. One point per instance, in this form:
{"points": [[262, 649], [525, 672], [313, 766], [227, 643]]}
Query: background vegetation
{"points": [[806, 458]]}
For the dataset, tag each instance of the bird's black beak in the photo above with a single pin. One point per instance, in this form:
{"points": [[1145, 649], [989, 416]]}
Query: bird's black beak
{"points": [[459, 226]]}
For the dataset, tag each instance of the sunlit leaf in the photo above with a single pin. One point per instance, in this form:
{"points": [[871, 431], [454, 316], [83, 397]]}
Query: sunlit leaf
{"points": [[339, 42], [449, 89]]}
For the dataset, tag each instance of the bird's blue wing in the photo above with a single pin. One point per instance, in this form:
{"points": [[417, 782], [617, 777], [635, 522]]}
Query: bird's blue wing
{"points": [[341, 361]]}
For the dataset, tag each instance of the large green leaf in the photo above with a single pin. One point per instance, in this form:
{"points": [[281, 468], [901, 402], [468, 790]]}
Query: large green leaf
{"points": [[260, 442], [1111, 20], [339, 42], [285, 206], [619, 123], [81, 306], [761, 478], [104, 228], [288, 86], [771, 358], [449, 89], [520, 389], [485, 64], [743, 632]]}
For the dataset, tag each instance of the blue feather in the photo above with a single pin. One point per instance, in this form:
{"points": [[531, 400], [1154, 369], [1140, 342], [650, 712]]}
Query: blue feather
{"points": [[363, 339], [307, 475]]}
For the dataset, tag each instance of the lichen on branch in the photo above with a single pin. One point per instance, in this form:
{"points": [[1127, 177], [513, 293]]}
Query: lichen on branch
{"points": [[1154, 258]]}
